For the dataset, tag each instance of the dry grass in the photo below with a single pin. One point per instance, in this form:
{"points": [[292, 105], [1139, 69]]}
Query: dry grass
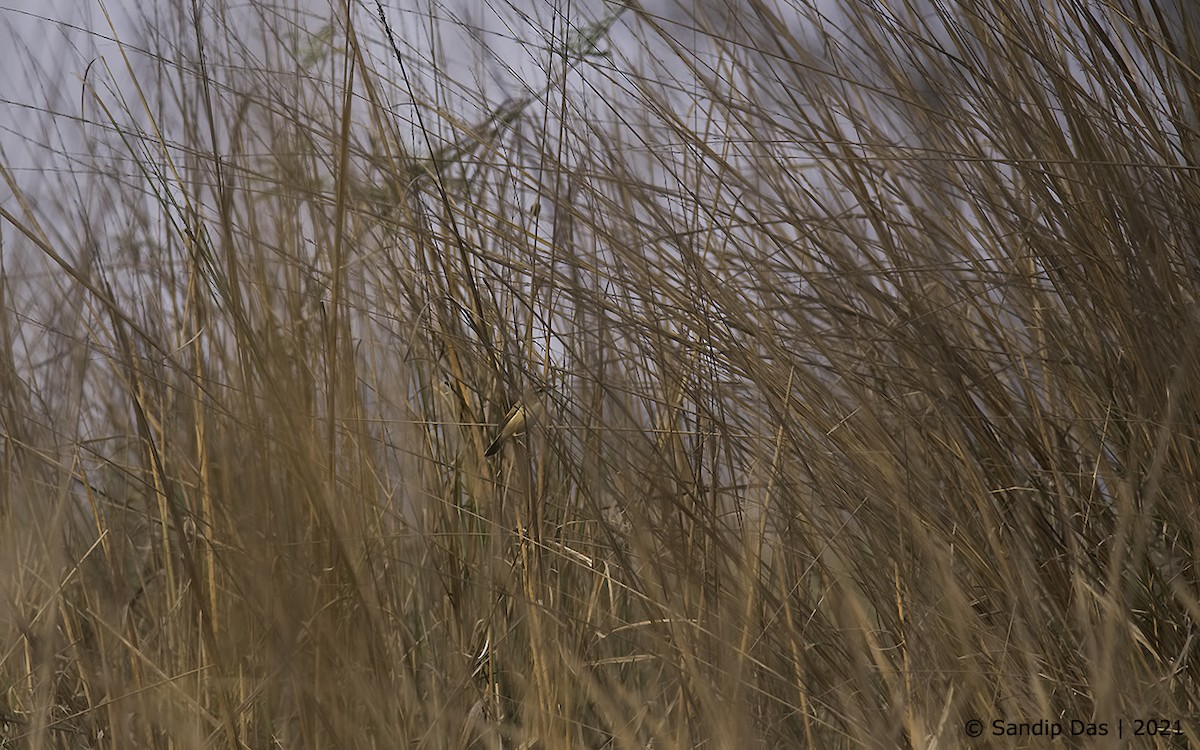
{"points": [[871, 345]]}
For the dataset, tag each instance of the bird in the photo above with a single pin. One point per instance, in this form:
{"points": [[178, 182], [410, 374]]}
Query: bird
{"points": [[514, 422]]}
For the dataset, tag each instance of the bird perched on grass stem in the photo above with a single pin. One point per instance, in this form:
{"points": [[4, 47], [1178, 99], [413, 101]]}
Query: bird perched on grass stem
{"points": [[516, 421]]}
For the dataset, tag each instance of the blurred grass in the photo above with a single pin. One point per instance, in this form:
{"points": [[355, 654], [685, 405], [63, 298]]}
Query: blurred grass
{"points": [[871, 343]]}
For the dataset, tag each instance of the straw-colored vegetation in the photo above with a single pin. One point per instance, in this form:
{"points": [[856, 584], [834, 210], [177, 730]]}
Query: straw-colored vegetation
{"points": [[868, 345]]}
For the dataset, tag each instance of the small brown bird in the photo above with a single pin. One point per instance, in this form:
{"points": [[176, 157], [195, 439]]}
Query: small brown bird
{"points": [[513, 423]]}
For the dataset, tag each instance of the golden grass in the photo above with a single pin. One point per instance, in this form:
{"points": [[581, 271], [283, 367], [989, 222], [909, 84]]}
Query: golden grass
{"points": [[870, 344]]}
